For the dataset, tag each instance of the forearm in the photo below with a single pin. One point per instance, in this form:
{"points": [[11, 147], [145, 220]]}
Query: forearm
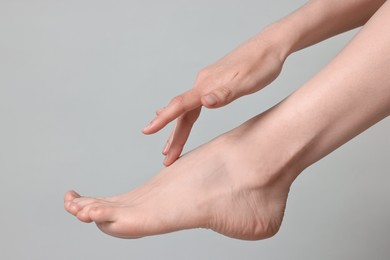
{"points": [[318, 20], [256, 63], [348, 96]]}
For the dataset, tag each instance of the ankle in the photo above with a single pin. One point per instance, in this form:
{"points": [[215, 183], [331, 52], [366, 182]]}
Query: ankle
{"points": [[277, 151]]}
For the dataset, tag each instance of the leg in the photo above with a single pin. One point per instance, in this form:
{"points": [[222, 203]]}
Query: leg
{"points": [[238, 183]]}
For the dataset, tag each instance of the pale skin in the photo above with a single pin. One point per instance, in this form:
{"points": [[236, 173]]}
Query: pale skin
{"points": [[238, 183]]}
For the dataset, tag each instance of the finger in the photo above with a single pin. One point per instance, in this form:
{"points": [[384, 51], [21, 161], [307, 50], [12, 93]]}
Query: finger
{"points": [[183, 128], [179, 105], [158, 111], [168, 144], [180, 135], [219, 97]]}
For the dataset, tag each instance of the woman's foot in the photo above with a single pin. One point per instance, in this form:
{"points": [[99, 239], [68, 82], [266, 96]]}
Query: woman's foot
{"points": [[232, 185]]}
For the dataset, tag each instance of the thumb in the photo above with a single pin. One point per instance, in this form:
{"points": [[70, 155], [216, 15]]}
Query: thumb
{"points": [[218, 97]]}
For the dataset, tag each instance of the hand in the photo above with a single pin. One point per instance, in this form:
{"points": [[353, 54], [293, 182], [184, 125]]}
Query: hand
{"points": [[244, 71]]}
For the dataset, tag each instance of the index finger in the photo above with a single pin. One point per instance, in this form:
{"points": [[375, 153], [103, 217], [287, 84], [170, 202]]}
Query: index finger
{"points": [[179, 105]]}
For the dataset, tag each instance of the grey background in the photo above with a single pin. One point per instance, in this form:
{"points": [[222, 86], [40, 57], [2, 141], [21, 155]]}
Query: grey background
{"points": [[79, 79]]}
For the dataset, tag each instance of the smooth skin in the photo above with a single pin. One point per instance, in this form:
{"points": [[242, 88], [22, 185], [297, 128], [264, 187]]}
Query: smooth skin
{"points": [[242, 191], [256, 63]]}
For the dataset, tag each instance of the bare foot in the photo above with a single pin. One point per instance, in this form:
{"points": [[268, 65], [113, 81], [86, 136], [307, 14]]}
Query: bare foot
{"points": [[231, 185]]}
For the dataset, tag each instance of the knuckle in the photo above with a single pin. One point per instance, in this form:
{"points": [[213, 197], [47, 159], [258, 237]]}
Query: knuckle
{"points": [[203, 76], [226, 94], [203, 73], [204, 90], [178, 103], [177, 100]]}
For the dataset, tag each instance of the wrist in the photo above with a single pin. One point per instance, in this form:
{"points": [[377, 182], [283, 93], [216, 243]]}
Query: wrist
{"points": [[280, 39]]}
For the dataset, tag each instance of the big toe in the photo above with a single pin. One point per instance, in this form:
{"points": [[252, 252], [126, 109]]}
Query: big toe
{"points": [[71, 195]]}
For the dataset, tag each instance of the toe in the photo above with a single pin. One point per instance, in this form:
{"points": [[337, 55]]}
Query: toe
{"points": [[84, 201], [71, 195], [67, 204], [103, 213], [84, 216], [72, 207]]}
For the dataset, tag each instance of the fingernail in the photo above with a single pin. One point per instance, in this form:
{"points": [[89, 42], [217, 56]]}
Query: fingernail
{"points": [[166, 148], [150, 125], [166, 160], [210, 100]]}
